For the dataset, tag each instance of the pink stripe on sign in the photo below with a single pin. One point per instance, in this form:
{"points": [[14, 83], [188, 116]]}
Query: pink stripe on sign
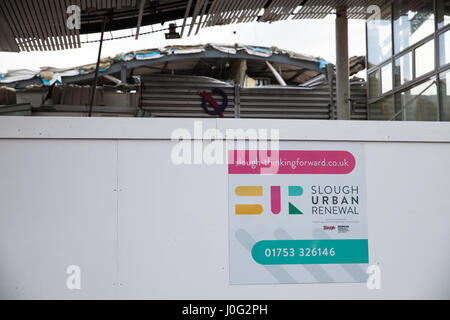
{"points": [[290, 162], [275, 194]]}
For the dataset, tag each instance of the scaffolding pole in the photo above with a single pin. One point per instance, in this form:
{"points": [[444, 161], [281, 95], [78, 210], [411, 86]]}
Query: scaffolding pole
{"points": [[94, 85]]}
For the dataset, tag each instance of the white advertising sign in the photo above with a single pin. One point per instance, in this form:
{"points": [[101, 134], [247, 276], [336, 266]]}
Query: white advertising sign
{"points": [[298, 215]]}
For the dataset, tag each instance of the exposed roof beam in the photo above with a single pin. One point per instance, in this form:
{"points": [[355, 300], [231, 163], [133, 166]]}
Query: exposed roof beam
{"points": [[276, 74]]}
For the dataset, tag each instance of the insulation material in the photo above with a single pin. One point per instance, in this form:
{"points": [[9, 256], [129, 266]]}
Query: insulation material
{"points": [[224, 48], [258, 51], [50, 78], [62, 72], [105, 64], [185, 49], [91, 68], [249, 82], [299, 56], [148, 54], [70, 73], [18, 75], [130, 56]]}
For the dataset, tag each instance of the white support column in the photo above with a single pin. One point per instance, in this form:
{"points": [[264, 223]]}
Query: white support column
{"points": [[342, 65]]}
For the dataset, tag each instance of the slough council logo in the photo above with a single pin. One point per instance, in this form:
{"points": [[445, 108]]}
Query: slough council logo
{"points": [[275, 200]]}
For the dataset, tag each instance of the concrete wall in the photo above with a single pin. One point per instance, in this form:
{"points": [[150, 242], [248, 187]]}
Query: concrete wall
{"points": [[103, 194]]}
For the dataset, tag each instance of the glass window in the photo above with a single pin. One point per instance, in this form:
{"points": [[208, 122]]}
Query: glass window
{"points": [[420, 103], [444, 48], [445, 96], [443, 13], [379, 38], [386, 78], [425, 58], [413, 21], [403, 69], [374, 84], [383, 109]]}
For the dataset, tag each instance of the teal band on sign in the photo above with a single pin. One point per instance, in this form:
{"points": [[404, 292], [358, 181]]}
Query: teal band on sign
{"points": [[278, 252]]}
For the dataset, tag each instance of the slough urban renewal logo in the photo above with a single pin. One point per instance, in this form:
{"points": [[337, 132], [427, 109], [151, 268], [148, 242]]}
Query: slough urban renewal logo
{"points": [[335, 200], [326, 200], [275, 200]]}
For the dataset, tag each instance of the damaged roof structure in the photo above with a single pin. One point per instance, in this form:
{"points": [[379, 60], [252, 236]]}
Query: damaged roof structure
{"points": [[213, 60], [30, 25], [256, 82]]}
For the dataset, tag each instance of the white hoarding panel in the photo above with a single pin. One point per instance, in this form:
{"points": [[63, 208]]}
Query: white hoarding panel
{"points": [[58, 219], [298, 215], [106, 196]]}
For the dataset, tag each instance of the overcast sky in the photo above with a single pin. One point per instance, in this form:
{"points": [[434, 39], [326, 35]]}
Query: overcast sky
{"points": [[314, 37]]}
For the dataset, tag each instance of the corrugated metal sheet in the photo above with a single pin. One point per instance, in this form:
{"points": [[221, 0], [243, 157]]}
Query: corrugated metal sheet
{"points": [[299, 102], [224, 12], [7, 96], [358, 92], [42, 25], [7, 40], [31, 25], [106, 4], [280, 10], [16, 110], [178, 96], [319, 9], [236, 11], [285, 103]]}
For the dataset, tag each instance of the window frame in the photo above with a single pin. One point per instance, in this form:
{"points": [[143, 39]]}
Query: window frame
{"points": [[435, 73]]}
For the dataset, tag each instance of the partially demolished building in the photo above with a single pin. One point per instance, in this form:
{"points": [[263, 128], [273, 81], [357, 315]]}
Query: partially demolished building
{"points": [[247, 81]]}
